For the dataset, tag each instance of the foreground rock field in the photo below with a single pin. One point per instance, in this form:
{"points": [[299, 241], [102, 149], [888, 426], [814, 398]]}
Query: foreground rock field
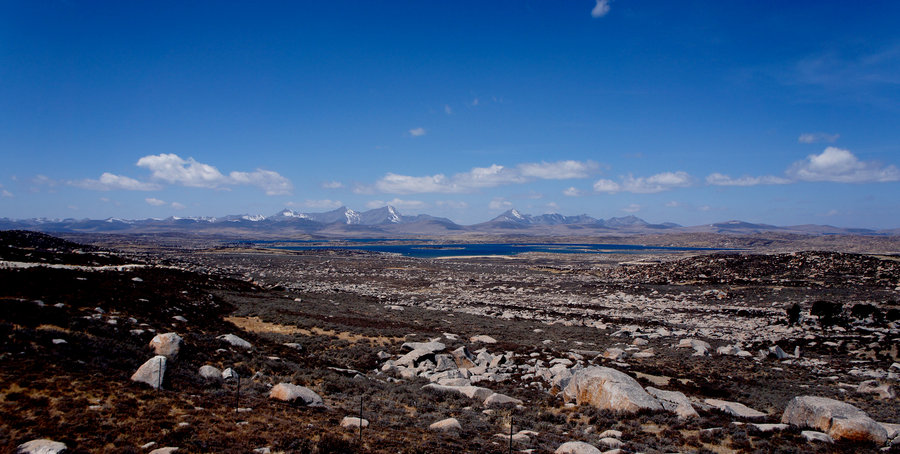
{"points": [[226, 349]]}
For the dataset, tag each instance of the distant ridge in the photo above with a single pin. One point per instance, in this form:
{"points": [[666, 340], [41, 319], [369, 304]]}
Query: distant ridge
{"points": [[388, 221]]}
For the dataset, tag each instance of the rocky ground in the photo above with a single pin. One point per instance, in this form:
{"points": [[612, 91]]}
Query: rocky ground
{"points": [[638, 353]]}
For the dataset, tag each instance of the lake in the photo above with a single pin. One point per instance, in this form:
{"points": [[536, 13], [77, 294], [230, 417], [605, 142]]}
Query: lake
{"points": [[424, 250]]}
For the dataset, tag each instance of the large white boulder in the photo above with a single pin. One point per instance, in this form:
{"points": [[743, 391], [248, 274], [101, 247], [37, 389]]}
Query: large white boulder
{"points": [[838, 419], [41, 446], [576, 447], [294, 393], [609, 389], [167, 344], [500, 400], [151, 372]]}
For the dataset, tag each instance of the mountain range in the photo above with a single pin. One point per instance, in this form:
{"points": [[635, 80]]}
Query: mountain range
{"points": [[388, 221]]}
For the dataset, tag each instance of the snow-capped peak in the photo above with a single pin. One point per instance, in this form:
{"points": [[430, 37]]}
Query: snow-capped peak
{"points": [[393, 216], [515, 213], [253, 217], [352, 216]]}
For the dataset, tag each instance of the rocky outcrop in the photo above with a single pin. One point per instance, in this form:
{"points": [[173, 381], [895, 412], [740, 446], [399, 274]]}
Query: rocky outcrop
{"points": [[288, 392], [609, 389], [446, 425], [168, 344], [735, 409], [840, 420], [151, 372], [235, 341]]}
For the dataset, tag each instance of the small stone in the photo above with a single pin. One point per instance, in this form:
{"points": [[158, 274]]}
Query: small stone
{"points": [[354, 422], [446, 425], [288, 392], [41, 446], [236, 341], [210, 372], [151, 372]]}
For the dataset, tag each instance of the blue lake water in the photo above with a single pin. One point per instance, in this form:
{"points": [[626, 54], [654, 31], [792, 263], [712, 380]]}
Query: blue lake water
{"points": [[495, 249]]}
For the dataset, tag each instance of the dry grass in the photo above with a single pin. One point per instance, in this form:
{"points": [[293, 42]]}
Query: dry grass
{"points": [[256, 325]]}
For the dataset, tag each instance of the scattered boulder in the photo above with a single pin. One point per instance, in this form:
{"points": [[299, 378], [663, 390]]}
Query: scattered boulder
{"points": [[484, 339], [229, 374], [472, 392], [41, 446], [293, 393], [838, 419], [609, 389], [353, 422], [432, 347], [576, 447], [166, 450], [701, 348], [674, 402], [735, 409], [210, 372], [884, 390], [500, 400], [151, 372], [463, 358], [235, 341], [812, 435], [414, 357], [167, 344], [446, 425]]}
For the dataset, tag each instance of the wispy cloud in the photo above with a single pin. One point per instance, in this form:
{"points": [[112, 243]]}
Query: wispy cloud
{"points": [[499, 203], [171, 168], [633, 208], [601, 8], [417, 132], [572, 191], [323, 204], [660, 182], [178, 206], [454, 204], [817, 137], [448, 110], [718, 179], [6, 194], [332, 185], [841, 166], [397, 203], [109, 182], [154, 201], [484, 177]]}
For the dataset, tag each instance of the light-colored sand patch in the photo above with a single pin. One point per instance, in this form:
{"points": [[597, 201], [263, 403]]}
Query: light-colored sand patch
{"points": [[255, 325]]}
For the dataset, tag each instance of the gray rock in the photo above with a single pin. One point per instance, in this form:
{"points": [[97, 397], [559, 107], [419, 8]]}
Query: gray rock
{"points": [[235, 341], [463, 358], [609, 389], [151, 372], [500, 400], [166, 450], [444, 362], [674, 402], [446, 425], [483, 339], [883, 390], [41, 446], [168, 344], [210, 372], [288, 392], [432, 347], [576, 447], [811, 435], [735, 409], [838, 419], [354, 422], [472, 392], [229, 374], [415, 357]]}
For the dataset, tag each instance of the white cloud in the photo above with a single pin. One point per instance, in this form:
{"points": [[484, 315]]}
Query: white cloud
{"points": [[417, 132], [704, 208], [600, 9], [324, 203], [474, 102], [572, 191], [397, 203], [841, 166], [560, 170], [6, 194], [633, 208], [332, 185], [673, 204], [816, 137], [499, 203], [646, 185], [269, 181], [154, 201], [483, 177], [109, 182], [177, 206], [447, 109], [718, 179], [171, 168], [610, 186]]}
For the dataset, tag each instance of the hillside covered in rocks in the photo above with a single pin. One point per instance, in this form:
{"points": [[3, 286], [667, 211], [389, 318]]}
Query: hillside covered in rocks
{"points": [[227, 350]]}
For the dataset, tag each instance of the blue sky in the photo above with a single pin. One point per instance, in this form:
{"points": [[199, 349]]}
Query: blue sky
{"points": [[691, 112]]}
